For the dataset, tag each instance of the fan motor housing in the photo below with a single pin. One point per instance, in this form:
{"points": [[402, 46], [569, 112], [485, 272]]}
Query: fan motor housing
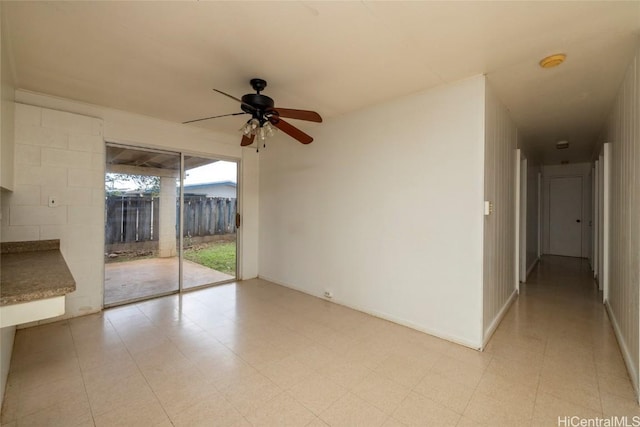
{"points": [[257, 101]]}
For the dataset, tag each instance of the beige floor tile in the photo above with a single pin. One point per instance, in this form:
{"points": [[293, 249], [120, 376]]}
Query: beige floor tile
{"points": [[445, 391], [110, 394], [71, 414], [25, 360], [351, 411], [46, 372], [460, 372], [9, 410], [249, 393], [570, 391], [179, 392], [519, 398], [345, 374], [470, 356], [286, 372], [213, 409], [366, 353], [317, 393], [487, 410], [381, 392], [553, 354], [283, 410], [548, 408], [96, 356], [260, 354], [417, 410], [317, 422], [392, 422], [613, 405], [109, 372], [514, 371], [316, 356], [612, 365], [618, 386], [404, 370], [468, 422], [512, 351], [224, 369], [55, 393], [133, 414]]}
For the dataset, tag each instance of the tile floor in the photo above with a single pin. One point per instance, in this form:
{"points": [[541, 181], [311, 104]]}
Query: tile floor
{"points": [[255, 353]]}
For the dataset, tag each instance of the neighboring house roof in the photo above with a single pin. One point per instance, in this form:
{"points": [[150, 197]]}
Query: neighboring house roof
{"points": [[210, 184]]}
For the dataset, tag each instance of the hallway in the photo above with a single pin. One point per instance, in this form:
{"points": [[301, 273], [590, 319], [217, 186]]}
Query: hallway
{"points": [[255, 353], [568, 359]]}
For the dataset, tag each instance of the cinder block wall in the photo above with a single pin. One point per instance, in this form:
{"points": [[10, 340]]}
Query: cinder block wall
{"points": [[60, 155]]}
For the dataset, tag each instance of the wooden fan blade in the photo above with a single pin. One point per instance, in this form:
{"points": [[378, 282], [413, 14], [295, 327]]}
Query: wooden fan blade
{"points": [[250, 107], [290, 130], [213, 117], [247, 140], [289, 113]]}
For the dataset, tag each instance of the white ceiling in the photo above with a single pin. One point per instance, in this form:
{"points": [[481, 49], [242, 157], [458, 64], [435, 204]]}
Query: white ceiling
{"points": [[163, 58]]}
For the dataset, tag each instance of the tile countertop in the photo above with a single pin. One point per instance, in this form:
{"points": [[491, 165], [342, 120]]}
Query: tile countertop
{"points": [[32, 271]]}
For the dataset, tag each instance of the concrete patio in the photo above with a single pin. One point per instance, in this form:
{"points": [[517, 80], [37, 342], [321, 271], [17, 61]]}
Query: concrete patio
{"points": [[129, 280]]}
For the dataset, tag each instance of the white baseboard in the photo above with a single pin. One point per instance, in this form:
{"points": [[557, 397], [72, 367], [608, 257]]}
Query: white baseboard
{"points": [[496, 321], [382, 315], [626, 355], [533, 264]]}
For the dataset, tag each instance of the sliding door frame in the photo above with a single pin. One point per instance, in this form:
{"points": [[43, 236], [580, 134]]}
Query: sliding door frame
{"points": [[154, 149]]}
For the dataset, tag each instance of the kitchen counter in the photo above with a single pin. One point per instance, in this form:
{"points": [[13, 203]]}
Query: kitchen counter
{"points": [[32, 271]]}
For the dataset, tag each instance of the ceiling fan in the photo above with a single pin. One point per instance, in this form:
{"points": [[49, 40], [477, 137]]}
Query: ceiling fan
{"points": [[265, 117]]}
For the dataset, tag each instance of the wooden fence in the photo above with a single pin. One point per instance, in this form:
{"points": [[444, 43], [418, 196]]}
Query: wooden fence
{"points": [[136, 218]]}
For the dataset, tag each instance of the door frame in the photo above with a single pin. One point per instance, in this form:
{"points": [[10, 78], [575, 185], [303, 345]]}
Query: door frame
{"points": [[238, 211], [114, 142], [523, 218], [548, 197]]}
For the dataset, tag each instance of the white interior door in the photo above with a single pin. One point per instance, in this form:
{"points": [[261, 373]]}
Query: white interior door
{"points": [[565, 216]]}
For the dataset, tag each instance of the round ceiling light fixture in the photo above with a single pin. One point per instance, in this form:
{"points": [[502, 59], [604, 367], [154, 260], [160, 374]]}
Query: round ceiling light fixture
{"points": [[553, 60]]}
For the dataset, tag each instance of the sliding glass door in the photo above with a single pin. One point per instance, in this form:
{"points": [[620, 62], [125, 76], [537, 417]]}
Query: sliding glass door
{"points": [[209, 222], [144, 202]]}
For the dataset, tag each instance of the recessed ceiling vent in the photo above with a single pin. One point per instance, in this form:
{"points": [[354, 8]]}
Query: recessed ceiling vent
{"points": [[561, 145]]}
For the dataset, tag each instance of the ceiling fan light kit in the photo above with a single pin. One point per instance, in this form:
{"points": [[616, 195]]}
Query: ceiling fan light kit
{"points": [[266, 119]]}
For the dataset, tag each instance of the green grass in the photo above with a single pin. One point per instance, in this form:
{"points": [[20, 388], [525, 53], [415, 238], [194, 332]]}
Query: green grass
{"points": [[219, 256]]}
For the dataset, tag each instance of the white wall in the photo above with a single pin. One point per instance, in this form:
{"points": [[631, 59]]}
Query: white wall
{"points": [[127, 128], [384, 209], [6, 176], [501, 138], [532, 214], [248, 205], [6, 111], [623, 133], [582, 170], [62, 155]]}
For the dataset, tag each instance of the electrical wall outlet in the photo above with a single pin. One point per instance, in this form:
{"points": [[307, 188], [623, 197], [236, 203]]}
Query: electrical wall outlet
{"points": [[328, 294]]}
